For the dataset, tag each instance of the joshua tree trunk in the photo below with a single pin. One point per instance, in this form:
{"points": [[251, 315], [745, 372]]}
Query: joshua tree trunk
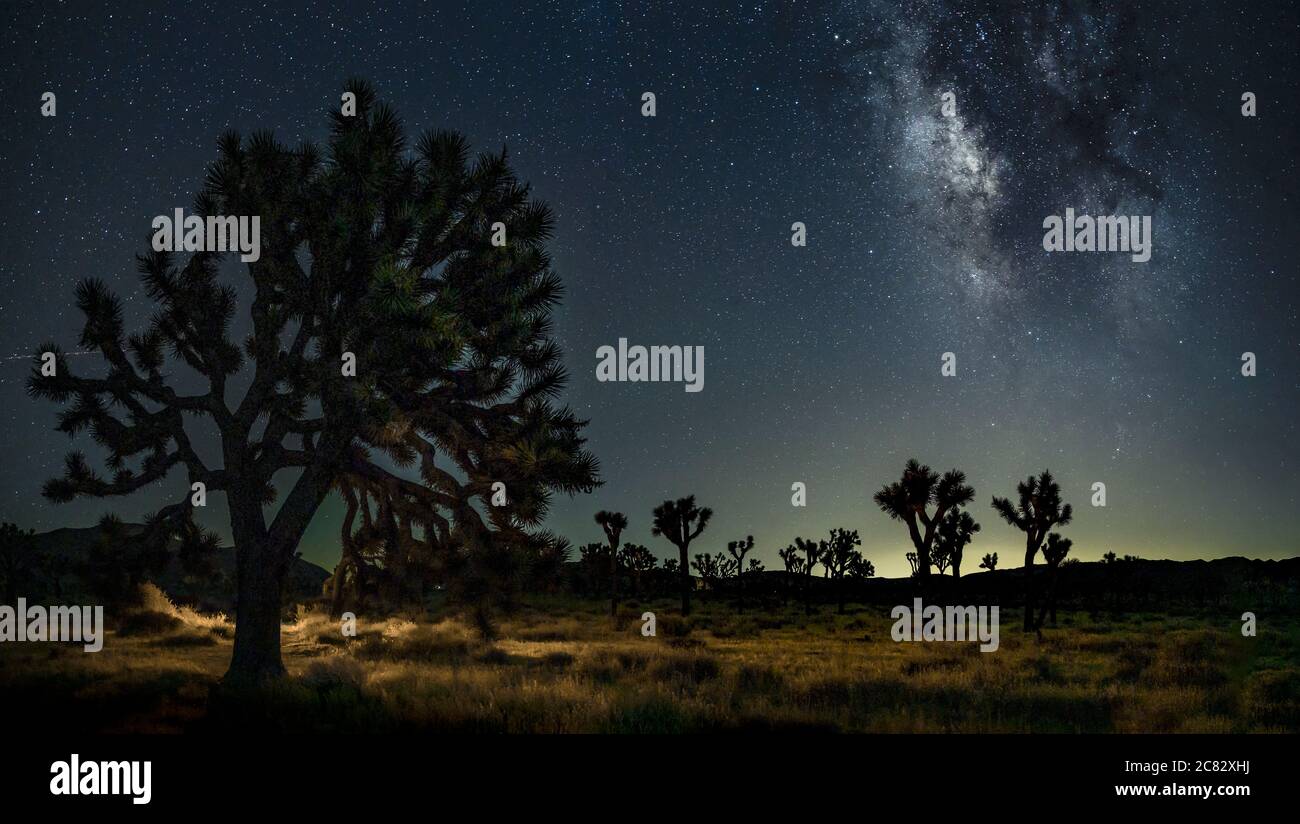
{"points": [[956, 567], [839, 587], [262, 558], [256, 656], [686, 582], [340, 577], [613, 580], [1030, 550]]}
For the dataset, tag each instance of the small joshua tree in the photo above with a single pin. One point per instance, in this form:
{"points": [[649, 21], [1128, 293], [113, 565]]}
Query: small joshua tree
{"points": [[941, 555], [738, 550], [711, 569], [793, 567], [681, 522], [639, 560], [1038, 511], [956, 531], [990, 561], [813, 551], [613, 523], [1054, 552], [840, 557]]}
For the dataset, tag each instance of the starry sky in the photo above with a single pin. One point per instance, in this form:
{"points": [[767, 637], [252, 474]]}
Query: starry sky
{"points": [[822, 363]]}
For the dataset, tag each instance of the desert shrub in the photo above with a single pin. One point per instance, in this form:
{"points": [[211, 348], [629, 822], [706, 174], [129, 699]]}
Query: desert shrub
{"points": [[147, 622], [753, 678], [334, 671], [1271, 698], [689, 669], [558, 660], [673, 626]]}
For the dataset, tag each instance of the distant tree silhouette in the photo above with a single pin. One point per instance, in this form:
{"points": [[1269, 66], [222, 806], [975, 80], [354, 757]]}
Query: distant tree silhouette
{"points": [[813, 551], [861, 569], [16, 561], [1054, 552], [681, 522], [909, 500], [738, 550], [955, 532], [990, 562], [914, 563], [711, 569], [841, 555], [1109, 558], [793, 567], [595, 566], [940, 556], [639, 560], [613, 523], [671, 574], [367, 247], [1038, 511]]}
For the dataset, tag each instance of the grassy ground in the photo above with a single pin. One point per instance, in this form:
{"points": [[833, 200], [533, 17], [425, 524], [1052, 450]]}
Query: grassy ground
{"points": [[566, 666]]}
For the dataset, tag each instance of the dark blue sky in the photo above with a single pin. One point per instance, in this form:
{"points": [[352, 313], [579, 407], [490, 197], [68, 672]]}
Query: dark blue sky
{"points": [[821, 363]]}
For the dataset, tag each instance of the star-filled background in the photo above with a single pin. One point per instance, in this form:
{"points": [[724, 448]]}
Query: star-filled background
{"points": [[822, 364]]}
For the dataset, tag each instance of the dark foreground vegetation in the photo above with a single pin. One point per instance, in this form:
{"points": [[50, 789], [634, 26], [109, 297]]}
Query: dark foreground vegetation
{"points": [[560, 664]]}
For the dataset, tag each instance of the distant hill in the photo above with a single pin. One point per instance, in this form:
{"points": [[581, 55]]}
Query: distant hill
{"points": [[60, 553]]}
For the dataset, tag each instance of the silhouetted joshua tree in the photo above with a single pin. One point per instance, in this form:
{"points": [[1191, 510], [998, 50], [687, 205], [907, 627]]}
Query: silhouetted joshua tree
{"points": [[738, 550], [909, 500], [1038, 511], [712, 569], [681, 522], [793, 567], [813, 551], [375, 256], [1054, 552], [639, 560], [613, 523], [940, 556], [956, 530], [990, 562], [595, 566], [840, 557]]}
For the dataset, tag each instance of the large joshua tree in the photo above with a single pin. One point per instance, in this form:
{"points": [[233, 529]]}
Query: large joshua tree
{"points": [[1038, 511], [910, 499], [372, 254], [681, 522], [613, 524]]}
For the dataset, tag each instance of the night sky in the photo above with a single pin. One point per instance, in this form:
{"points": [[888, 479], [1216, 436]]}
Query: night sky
{"points": [[822, 364]]}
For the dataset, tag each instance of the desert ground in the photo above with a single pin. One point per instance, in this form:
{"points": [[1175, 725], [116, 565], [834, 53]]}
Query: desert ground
{"points": [[565, 665]]}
